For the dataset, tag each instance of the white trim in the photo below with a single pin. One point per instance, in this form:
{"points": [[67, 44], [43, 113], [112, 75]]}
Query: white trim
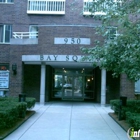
{"points": [[46, 7]]}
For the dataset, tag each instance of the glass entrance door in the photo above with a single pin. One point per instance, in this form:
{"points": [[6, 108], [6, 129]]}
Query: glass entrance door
{"points": [[72, 87], [67, 86], [77, 87]]}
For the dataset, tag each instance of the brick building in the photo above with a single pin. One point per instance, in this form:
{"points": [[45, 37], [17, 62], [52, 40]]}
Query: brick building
{"points": [[40, 44]]}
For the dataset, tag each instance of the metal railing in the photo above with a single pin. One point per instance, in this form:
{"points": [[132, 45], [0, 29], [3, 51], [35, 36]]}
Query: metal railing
{"points": [[90, 3], [46, 7], [22, 35]]}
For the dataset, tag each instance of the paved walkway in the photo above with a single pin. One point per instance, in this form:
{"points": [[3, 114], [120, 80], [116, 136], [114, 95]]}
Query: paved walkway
{"points": [[69, 121]]}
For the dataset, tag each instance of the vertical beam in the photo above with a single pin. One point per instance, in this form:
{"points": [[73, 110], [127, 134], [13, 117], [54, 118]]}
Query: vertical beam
{"points": [[103, 87], [42, 84]]}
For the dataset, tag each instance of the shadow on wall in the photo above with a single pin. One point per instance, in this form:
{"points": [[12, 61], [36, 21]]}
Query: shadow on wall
{"points": [[31, 84]]}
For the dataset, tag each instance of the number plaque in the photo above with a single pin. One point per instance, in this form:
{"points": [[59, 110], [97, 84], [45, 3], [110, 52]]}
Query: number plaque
{"points": [[72, 41]]}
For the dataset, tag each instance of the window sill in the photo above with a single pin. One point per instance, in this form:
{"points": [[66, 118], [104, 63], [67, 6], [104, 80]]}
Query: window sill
{"points": [[1, 43], [6, 2]]}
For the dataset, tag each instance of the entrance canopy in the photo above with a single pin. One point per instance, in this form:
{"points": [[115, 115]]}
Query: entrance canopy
{"points": [[57, 61], [64, 61]]}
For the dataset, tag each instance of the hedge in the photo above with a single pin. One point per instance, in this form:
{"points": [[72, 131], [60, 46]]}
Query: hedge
{"points": [[133, 119], [130, 112], [11, 110], [132, 106], [29, 100]]}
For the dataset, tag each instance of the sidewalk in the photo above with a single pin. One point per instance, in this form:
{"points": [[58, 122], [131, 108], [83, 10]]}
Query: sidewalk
{"points": [[69, 121]]}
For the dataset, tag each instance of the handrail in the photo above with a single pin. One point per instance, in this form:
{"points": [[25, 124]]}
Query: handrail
{"points": [[46, 6], [22, 35], [88, 3]]}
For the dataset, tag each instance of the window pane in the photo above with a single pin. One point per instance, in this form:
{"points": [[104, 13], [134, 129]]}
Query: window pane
{"points": [[10, 0], [33, 29], [58, 82], [7, 33], [1, 33], [137, 87], [2, 0], [112, 32], [6, 1]]}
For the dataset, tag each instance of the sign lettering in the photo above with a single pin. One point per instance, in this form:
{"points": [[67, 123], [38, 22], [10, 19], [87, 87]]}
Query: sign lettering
{"points": [[72, 41], [41, 57], [73, 58], [4, 79], [67, 58], [55, 56]]}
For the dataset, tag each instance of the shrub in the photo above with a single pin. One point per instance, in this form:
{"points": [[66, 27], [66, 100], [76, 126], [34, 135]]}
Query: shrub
{"points": [[11, 109], [130, 112], [30, 102], [115, 105], [22, 106], [8, 114], [132, 105], [133, 119], [3, 99]]}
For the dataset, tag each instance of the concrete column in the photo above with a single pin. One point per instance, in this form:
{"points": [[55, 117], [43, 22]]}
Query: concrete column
{"points": [[103, 87], [42, 84]]}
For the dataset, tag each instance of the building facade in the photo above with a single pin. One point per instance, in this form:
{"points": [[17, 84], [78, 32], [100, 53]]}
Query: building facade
{"points": [[40, 43]]}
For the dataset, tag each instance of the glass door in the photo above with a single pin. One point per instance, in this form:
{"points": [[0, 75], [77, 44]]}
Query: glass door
{"points": [[77, 87], [67, 86], [72, 87]]}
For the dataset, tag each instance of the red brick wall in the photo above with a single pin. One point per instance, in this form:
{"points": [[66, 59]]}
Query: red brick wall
{"points": [[127, 87], [16, 15]]}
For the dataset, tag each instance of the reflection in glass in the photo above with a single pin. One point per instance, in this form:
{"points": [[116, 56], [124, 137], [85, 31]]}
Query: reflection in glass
{"points": [[73, 84], [67, 87], [78, 82], [58, 85]]}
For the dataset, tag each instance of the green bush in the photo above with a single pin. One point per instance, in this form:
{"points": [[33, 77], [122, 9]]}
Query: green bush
{"points": [[132, 106], [130, 112], [30, 102], [3, 99], [115, 105], [8, 114], [133, 119], [22, 107], [11, 109]]}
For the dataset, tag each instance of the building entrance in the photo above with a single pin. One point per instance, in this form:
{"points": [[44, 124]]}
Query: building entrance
{"points": [[72, 87], [73, 84]]}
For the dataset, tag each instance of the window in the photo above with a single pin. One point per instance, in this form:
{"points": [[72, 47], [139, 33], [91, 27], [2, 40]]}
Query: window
{"points": [[33, 30], [137, 87], [5, 33], [6, 1], [92, 7], [112, 32]]}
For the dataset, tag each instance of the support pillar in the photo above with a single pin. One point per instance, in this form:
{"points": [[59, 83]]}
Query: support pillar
{"points": [[42, 84], [103, 87]]}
